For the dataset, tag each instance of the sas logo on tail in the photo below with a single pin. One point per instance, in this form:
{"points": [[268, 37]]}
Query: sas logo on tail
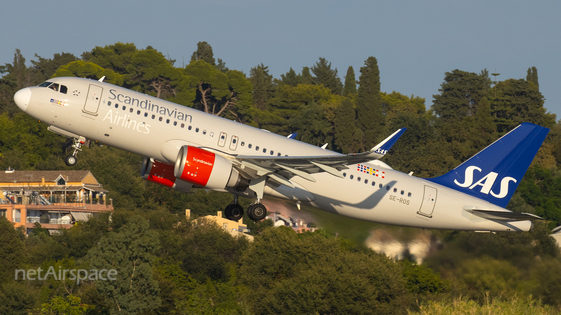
{"points": [[485, 182]]}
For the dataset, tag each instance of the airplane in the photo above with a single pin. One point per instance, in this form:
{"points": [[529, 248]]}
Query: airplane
{"points": [[184, 149]]}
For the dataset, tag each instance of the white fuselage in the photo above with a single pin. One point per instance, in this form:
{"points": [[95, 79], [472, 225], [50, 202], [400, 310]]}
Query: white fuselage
{"points": [[156, 128]]}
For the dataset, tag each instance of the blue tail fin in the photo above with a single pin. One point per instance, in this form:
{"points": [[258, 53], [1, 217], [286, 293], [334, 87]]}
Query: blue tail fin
{"points": [[494, 173]]}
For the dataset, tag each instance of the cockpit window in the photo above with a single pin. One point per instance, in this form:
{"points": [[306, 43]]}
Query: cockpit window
{"points": [[54, 87], [63, 89], [45, 84]]}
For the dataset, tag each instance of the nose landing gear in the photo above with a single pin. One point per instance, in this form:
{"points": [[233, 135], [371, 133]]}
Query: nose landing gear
{"points": [[71, 160]]}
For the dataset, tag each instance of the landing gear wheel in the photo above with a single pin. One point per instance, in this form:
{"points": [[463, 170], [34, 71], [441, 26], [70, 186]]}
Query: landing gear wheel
{"points": [[257, 212], [233, 212], [70, 160]]}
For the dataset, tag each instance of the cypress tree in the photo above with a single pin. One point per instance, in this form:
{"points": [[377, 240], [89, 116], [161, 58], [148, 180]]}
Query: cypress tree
{"points": [[532, 76], [350, 83], [370, 118], [344, 127]]}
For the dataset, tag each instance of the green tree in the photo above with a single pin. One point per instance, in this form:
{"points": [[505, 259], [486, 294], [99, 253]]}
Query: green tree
{"points": [[327, 76], [204, 52], [17, 298], [83, 69], [520, 101], [12, 252], [344, 128], [68, 305], [131, 252], [44, 68], [532, 76], [263, 87], [116, 57], [350, 84], [370, 118], [220, 93], [459, 94], [291, 78], [150, 71], [312, 125], [314, 274]]}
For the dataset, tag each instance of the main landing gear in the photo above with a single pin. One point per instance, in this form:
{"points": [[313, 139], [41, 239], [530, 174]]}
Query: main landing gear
{"points": [[255, 212], [71, 160]]}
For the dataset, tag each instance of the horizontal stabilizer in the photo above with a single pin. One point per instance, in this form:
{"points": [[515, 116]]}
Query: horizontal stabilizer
{"points": [[504, 215]]}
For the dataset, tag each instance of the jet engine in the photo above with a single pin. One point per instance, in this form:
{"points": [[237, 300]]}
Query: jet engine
{"points": [[205, 169], [162, 173]]}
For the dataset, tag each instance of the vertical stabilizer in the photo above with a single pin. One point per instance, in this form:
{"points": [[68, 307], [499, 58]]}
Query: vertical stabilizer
{"points": [[494, 173]]}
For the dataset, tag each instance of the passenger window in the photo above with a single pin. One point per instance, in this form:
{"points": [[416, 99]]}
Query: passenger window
{"points": [[395, 190], [373, 183], [109, 103], [124, 107], [408, 194], [278, 154], [358, 179], [204, 132], [381, 186], [182, 125], [242, 144], [249, 146], [167, 121], [189, 127], [160, 119], [116, 105], [138, 112], [145, 114], [196, 129], [352, 176], [366, 181], [131, 110], [175, 123], [63, 89], [257, 148], [344, 174], [402, 192], [264, 150], [153, 116], [387, 187]]}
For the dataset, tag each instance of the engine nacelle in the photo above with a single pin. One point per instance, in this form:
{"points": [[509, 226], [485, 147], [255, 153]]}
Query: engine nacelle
{"points": [[162, 173], [205, 169]]}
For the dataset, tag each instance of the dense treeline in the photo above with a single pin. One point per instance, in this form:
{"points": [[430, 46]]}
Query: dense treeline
{"points": [[203, 270]]}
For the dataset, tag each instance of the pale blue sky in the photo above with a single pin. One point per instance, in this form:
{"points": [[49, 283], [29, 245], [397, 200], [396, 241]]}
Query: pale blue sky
{"points": [[415, 42]]}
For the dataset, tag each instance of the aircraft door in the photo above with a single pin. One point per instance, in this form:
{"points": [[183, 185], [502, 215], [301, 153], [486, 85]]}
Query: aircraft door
{"points": [[234, 143], [93, 99], [429, 201]]}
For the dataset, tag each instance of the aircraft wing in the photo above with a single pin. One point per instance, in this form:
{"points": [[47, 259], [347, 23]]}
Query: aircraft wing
{"points": [[282, 168]]}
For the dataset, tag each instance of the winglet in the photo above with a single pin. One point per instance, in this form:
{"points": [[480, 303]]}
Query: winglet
{"points": [[384, 146], [292, 136]]}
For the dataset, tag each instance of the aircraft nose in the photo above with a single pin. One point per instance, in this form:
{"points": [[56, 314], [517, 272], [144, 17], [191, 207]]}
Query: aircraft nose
{"points": [[22, 98]]}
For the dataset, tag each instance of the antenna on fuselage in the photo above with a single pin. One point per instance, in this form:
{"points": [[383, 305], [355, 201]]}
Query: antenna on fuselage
{"points": [[101, 80]]}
